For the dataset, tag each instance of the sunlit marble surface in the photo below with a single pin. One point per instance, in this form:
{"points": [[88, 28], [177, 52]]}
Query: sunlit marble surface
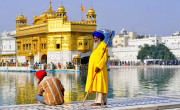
{"points": [[144, 103]]}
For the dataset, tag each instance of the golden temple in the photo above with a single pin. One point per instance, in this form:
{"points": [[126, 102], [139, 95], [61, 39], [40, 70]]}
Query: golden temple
{"points": [[52, 37]]}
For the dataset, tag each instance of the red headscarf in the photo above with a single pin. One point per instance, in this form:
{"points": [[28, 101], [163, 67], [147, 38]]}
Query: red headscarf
{"points": [[40, 74]]}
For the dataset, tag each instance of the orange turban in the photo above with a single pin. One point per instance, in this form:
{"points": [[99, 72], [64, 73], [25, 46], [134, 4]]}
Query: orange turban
{"points": [[40, 74]]}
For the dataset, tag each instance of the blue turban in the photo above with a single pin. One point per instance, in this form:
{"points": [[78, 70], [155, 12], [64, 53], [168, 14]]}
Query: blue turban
{"points": [[98, 35]]}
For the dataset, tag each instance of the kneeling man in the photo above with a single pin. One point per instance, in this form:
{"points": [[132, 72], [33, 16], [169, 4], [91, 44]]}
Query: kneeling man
{"points": [[50, 89]]}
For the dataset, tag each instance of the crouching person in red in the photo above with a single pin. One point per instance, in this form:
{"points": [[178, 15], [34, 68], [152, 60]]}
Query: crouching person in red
{"points": [[50, 89]]}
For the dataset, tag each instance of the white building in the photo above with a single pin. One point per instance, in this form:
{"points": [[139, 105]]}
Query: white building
{"points": [[173, 43], [121, 40], [140, 42], [177, 33], [129, 53], [126, 54], [8, 46]]}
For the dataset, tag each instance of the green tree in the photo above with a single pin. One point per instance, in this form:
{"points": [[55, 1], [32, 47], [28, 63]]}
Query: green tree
{"points": [[139, 36], [155, 52]]}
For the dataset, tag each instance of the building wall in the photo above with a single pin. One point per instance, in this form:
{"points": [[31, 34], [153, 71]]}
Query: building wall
{"points": [[124, 53], [132, 35], [63, 57], [21, 59], [130, 52], [141, 42], [120, 41], [173, 43], [8, 46]]}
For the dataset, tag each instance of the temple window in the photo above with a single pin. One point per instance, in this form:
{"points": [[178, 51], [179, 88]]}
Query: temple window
{"points": [[41, 46], [44, 46], [23, 47], [85, 43], [80, 43], [29, 46], [18, 47], [26, 46], [34, 46], [57, 46]]}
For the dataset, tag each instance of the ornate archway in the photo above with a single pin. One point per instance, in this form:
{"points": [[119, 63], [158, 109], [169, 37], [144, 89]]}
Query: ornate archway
{"points": [[44, 58]]}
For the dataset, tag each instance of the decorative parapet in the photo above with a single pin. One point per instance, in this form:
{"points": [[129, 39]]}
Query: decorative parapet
{"points": [[80, 23], [32, 29], [57, 26]]}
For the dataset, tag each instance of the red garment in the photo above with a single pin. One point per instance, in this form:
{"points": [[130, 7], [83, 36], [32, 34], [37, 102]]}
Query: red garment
{"points": [[40, 74]]}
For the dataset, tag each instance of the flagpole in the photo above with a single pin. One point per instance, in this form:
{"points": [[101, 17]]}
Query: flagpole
{"points": [[81, 16], [81, 13]]}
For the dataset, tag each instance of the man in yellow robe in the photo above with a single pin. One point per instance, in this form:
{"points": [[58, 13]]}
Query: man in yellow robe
{"points": [[97, 63]]}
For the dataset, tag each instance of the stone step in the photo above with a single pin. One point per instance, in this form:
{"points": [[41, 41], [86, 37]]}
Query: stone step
{"points": [[171, 102]]}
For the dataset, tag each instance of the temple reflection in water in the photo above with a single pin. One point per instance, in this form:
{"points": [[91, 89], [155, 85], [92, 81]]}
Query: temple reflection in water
{"points": [[21, 88]]}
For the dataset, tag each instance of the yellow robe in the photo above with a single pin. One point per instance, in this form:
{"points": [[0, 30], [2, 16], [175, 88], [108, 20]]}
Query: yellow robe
{"points": [[100, 83]]}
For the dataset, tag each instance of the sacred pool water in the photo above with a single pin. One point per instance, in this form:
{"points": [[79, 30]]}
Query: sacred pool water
{"points": [[20, 87]]}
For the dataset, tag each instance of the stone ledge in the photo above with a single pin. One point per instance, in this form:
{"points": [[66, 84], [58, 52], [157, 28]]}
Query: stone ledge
{"points": [[136, 103]]}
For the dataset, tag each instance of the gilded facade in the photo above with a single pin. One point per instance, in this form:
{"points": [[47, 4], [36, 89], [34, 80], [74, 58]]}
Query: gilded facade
{"points": [[52, 38]]}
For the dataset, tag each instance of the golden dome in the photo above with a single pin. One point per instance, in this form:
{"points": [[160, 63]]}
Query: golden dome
{"points": [[34, 17], [77, 55], [50, 13], [91, 10], [21, 16], [61, 8]]}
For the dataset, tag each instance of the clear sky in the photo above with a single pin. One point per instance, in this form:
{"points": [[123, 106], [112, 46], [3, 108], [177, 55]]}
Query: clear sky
{"points": [[161, 17]]}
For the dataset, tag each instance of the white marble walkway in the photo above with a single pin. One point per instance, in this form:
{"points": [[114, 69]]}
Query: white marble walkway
{"points": [[136, 103]]}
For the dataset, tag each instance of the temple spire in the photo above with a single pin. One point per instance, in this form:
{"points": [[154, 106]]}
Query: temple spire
{"points": [[50, 8]]}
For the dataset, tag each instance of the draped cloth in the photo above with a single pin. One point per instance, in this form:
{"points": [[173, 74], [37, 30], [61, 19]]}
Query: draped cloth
{"points": [[100, 83]]}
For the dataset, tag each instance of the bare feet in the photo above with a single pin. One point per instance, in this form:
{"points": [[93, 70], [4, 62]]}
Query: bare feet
{"points": [[104, 103], [96, 104], [39, 102]]}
